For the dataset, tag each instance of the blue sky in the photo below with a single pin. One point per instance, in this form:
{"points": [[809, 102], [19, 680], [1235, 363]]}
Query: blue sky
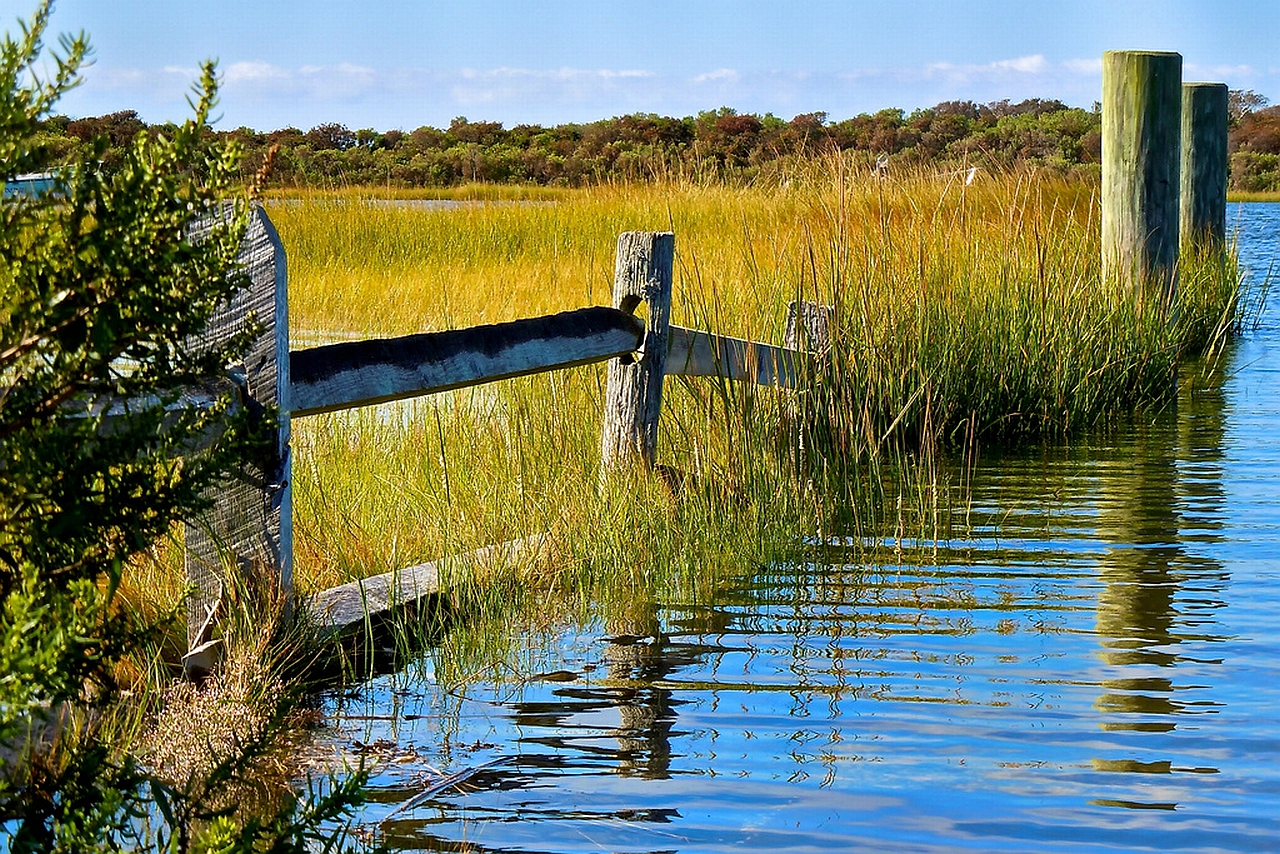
{"points": [[406, 64]]}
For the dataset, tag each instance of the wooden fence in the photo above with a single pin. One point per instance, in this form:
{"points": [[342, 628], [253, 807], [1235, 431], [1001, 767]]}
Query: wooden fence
{"points": [[250, 529]]}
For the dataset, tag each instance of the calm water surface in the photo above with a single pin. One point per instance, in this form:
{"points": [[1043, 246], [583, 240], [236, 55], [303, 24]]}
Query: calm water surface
{"points": [[1099, 668]]}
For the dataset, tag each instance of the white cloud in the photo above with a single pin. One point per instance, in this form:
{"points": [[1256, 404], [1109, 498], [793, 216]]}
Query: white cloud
{"points": [[720, 75], [552, 74], [253, 72], [1083, 66], [507, 86], [1003, 68], [1227, 73], [259, 80]]}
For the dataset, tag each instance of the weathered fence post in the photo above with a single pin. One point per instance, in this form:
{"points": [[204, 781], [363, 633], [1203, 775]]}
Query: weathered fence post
{"points": [[633, 400], [249, 529], [1141, 125], [1204, 166]]}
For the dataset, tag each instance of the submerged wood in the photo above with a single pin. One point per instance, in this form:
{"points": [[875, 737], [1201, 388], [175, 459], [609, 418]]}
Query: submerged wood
{"points": [[359, 373], [349, 607]]}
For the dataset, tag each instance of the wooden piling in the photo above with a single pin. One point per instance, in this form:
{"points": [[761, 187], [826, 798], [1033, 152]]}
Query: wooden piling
{"points": [[249, 529], [1141, 151], [1203, 221], [633, 399]]}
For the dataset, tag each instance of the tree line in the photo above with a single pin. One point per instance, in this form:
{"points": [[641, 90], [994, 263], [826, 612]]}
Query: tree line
{"points": [[720, 144]]}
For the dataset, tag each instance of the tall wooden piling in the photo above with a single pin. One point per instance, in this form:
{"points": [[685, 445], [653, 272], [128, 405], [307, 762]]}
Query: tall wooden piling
{"points": [[249, 529], [1204, 166], [1141, 153], [633, 399]]}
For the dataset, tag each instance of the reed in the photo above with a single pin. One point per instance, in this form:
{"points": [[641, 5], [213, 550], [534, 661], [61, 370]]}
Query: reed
{"points": [[965, 313]]}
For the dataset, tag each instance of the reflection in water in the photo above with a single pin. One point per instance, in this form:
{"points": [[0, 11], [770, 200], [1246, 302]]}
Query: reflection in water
{"points": [[638, 662], [1097, 669], [1139, 522], [1161, 488]]}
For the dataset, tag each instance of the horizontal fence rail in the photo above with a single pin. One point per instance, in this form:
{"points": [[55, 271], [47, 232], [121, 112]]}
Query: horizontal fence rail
{"points": [[693, 353], [360, 373]]}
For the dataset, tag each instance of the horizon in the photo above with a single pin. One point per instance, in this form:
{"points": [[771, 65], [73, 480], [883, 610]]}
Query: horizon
{"points": [[290, 65]]}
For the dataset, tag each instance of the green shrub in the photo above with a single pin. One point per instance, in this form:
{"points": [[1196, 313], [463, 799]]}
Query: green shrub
{"points": [[102, 290]]}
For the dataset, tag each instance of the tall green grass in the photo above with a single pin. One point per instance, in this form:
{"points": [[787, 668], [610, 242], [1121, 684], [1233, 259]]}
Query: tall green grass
{"points": [[963, 314]]}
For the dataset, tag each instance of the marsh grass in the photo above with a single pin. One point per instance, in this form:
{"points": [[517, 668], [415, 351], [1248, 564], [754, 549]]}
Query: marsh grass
{"points": [[462, 193], [965, 314], [1245, 196]]}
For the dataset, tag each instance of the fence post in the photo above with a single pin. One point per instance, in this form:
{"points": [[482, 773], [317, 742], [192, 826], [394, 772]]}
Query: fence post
{"points": [[633, 399], [1141, 125], [250, 527], [1204, 166]]}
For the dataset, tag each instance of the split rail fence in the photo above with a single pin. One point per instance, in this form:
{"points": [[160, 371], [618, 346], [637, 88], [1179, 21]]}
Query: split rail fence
{"points": [[250, 527]]}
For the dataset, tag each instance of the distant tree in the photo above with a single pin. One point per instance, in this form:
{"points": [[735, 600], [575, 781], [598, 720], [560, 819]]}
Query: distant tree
{"points": [[119, 128], [331, 137], [476, 133], [1242, 102], [1258, 131], [965, 109]]}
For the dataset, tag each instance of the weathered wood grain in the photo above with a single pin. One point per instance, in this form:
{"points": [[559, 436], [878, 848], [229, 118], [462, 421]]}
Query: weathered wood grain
{"points": [[633, 396], [359, 373], [349, 607], [1203, 190], [1141, 154], [250, 528], [693, 353], [808, 327]]}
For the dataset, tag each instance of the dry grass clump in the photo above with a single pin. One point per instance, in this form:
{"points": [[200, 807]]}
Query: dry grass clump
{"points": [[203, 727], [228, 738]]}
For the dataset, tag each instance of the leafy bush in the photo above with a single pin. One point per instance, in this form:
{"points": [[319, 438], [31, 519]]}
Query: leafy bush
{"points": [[103, 289]]}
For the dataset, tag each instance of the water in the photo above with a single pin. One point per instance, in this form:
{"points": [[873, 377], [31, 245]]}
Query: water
{"points": [[1099, 669]]}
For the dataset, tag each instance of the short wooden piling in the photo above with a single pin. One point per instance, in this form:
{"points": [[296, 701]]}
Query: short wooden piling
{"points": [[1204, 166], [1141, 151], [633, 399]]}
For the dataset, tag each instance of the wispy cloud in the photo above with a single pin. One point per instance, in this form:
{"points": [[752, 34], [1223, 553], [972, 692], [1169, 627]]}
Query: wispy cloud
{"points": [[506, 86], [1083, 66], [1023, 66], [1225, 73], [241, 73], [506, 73], [720, 75], [258, 79]]}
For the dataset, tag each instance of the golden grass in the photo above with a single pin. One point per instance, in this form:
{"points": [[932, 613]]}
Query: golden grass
{"points": [[1244, 196], [963, 311], [964, 314]]}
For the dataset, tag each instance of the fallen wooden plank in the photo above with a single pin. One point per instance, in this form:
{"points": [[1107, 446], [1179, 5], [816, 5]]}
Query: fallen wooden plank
{"points": [[358, 373], [349, 607], [694, 353]]}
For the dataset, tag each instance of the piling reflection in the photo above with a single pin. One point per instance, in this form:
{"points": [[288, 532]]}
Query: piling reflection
{"points": [[638, 659], [1161, 495]]}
